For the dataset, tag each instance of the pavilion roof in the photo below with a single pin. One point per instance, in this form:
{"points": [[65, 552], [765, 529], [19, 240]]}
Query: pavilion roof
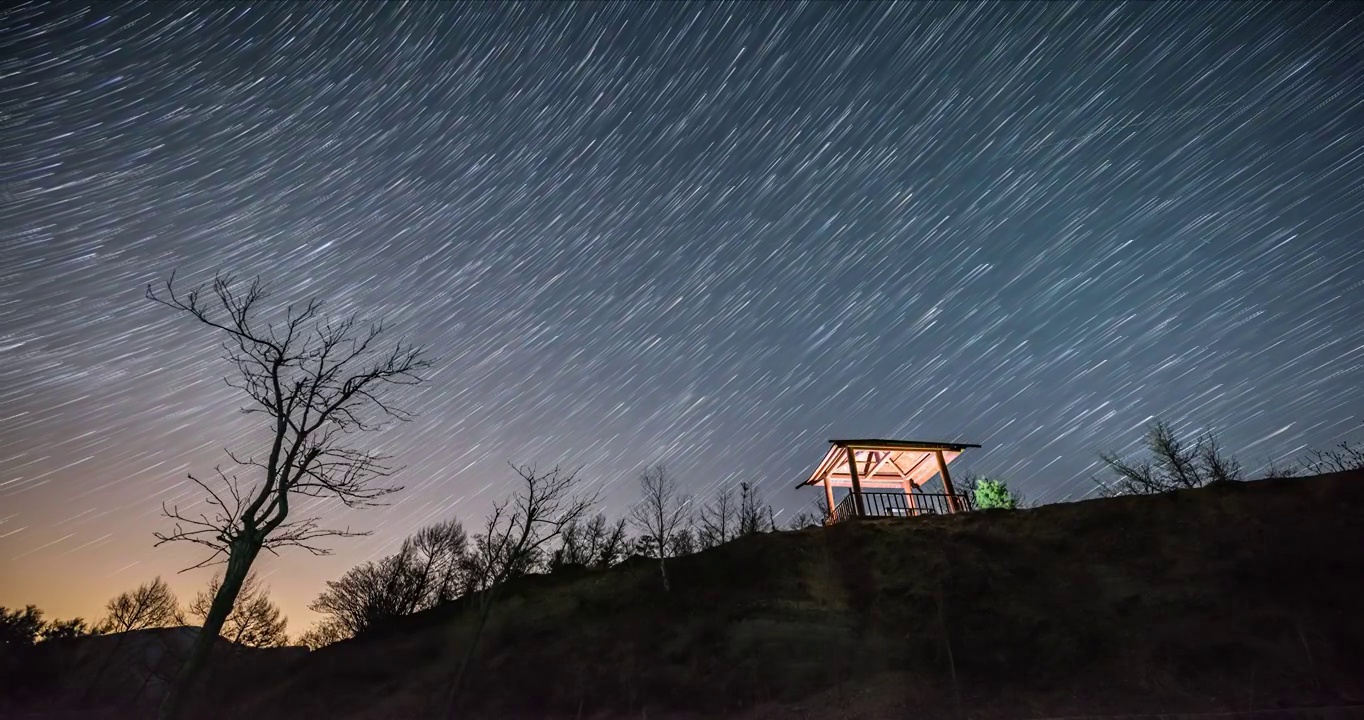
{"points": [[884, 464]]}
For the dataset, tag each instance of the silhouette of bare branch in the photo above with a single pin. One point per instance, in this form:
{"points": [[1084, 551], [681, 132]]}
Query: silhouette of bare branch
{"points": [[318, 382]]}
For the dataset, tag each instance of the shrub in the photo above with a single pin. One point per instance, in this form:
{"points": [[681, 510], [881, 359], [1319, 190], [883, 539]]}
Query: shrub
{"points": [[994, 494]]}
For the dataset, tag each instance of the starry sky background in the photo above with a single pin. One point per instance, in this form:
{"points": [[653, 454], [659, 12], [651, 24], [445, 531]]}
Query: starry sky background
{"points": [[711, 235]]}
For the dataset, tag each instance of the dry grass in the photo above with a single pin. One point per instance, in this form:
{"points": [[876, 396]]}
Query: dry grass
{"points": [[1234, 597]]}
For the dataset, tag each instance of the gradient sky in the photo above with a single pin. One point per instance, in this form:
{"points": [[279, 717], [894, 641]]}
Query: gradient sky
{"points": [[711, 235]]}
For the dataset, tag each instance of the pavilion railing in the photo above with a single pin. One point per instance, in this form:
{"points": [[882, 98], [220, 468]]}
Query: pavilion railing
{"points": [[898, 504]]}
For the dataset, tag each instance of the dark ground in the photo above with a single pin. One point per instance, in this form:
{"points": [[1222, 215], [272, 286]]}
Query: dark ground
{"points": [[1241, 598]]}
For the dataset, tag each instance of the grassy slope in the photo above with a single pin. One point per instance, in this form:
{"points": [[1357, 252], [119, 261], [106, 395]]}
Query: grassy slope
{"points": [[1230, 597]]}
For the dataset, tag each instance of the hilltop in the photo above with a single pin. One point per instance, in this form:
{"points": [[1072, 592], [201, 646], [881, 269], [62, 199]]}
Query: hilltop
{"points": [[1233, 597]]}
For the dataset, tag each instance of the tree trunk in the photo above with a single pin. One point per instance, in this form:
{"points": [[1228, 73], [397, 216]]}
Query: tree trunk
{"points": [[485, 606], [663, 570], [238, 565]]}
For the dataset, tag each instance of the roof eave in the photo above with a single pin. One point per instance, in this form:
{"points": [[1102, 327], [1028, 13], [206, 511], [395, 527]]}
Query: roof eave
{"points": [[880, 444]]}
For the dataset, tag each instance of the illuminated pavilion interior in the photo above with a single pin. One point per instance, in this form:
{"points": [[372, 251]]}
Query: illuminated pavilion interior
{"points": [[886, 478]]}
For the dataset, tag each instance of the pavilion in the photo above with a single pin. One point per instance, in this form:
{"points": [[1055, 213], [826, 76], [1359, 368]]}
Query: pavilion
{"points": [[885, 478]]}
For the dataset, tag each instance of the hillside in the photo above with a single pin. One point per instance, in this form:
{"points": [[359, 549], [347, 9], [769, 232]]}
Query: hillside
{"points": [[1233, 597]]}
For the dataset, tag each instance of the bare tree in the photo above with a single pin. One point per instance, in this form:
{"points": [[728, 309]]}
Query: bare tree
{"points": [[255, 620], [371, 594], [683, 542], [318, 383], [964, 485], [718, 520], [815, 515], [427, 570], [513, 542], [609, 541], [1342, 458], [755, 516], [151, 605], [596, 543], [437, 556], [322, 634], [1274, 469], [660, 515], [1173, 464], [352, 601]]}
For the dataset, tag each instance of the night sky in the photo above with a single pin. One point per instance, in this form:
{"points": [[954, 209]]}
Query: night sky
{"points": [[708, 235]]}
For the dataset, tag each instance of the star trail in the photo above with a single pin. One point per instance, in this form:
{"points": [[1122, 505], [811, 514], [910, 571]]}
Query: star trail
{"points": [[709, 235]]}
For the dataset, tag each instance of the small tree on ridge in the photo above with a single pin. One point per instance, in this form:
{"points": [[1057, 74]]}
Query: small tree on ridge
{"points": [[661, 515], [1173, 464], [514, 541], [994, 494], [20, 628], [151, 605]]}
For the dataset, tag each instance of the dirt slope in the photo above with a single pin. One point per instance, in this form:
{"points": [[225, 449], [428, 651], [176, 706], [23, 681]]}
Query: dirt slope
{"points": [[1233, 597], [118, 676]]}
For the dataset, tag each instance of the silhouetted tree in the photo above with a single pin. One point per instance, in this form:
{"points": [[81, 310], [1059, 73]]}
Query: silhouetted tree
{"points": [[151, 605], [1275, 469], [318, 383], [515, 539], [428, 569], [362, 596], [755, 516], [661, 513], [21, 627], [322, 634], [596, 543], [437, 559], [1342, 458], [255, 621], [718, 520], [643, 546], [1173, 465], [67, 629], [683, 542], [815, 516]]}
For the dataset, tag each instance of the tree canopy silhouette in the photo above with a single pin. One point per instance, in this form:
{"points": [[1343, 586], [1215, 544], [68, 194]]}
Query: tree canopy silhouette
{"points": [[21, 627], [1172, 464], [719, 522], [430, 568], [67, 629], [151, 605], [595, 543], [255, 620], [322, 634]]}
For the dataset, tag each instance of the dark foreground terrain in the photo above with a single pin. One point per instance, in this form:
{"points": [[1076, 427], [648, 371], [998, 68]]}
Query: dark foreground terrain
{"points": [[1241, 598]]}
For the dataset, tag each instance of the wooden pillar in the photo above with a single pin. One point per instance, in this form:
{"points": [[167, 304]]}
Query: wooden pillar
{"points": [[856, 482], [947, 482], [829, 497]]}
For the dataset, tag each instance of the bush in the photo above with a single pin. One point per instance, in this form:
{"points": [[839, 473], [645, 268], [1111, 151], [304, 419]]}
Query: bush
{"points": [[994, 494]]}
